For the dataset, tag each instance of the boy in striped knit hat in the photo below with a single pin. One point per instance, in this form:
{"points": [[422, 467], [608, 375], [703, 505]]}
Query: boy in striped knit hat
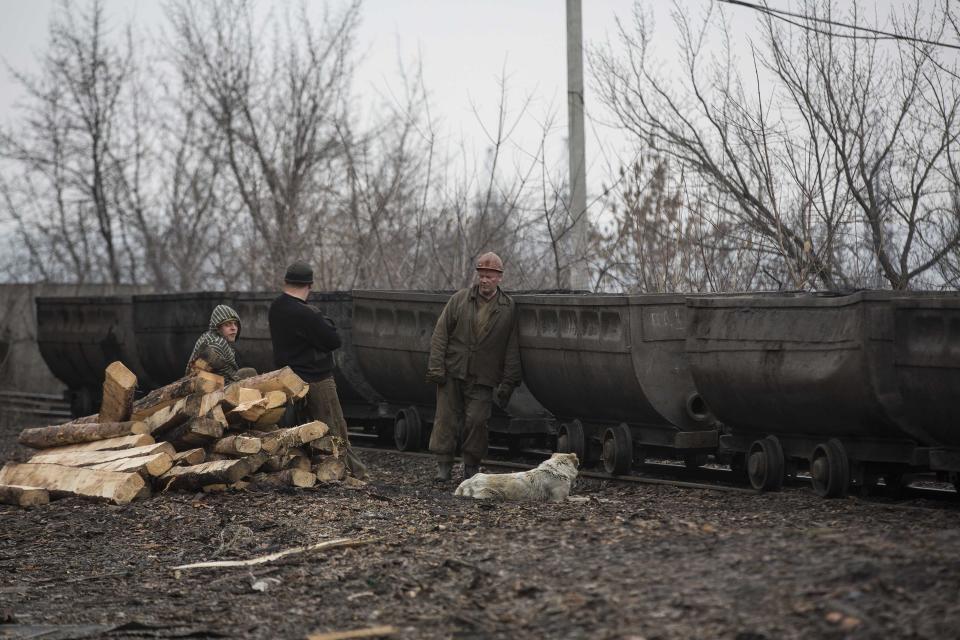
{"points": [[215, 346]]}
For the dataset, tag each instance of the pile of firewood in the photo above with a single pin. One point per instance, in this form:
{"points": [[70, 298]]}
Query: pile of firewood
{"points": [[193, 434]]}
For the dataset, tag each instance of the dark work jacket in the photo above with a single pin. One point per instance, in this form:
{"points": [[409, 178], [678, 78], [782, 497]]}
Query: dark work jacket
{"points": [[492, 358], [303, 338]]}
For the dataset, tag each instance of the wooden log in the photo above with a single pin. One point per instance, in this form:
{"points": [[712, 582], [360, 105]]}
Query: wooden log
{"points": [[286, 478], [217, 414], [280, 380], [119, 386], [195, 431], [110, 444], [249, 411], [327, 445], [330, 470], [119, 488], [78, 432], [297, 458], [190, 457], [255, 461], [237, 446], [200, 382], [235, 395], [176, 414], [88, 458], [155, 464], [21, 496], [292, 459], [213, 472], [277, 442], [276, 407]]}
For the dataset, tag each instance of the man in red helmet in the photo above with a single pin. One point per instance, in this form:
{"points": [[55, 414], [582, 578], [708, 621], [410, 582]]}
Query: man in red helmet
{"points": [[474, 358]]}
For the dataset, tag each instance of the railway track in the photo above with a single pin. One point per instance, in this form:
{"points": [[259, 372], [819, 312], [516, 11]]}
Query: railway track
{"points": [[703, 478]]}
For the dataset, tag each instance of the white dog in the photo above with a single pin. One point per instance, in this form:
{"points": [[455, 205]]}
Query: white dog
{"points": [[551, 481]]}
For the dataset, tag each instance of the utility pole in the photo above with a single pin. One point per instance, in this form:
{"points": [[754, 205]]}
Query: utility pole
{"points": [[579, 274]]}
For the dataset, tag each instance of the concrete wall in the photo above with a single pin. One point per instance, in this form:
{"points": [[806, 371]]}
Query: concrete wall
{"points": [[21, 366]]}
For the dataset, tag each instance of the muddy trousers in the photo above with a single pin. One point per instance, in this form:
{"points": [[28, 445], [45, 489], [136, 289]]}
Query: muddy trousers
{"points": [[323, 404], [463, 408]]}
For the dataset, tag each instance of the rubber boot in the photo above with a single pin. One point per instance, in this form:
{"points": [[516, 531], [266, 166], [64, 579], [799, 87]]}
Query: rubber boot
{"points": [[470, 470], [443, 471]]}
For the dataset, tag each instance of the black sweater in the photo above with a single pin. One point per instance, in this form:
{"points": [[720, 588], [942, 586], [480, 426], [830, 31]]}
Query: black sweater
{"points": [[303, 338]]}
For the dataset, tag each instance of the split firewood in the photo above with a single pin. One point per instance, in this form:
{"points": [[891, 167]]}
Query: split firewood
{"points": [[237, 446], [88, 458], [297, 436], [155, 464], [255, 461], [190, 457], [200, 364], [217, 414], [235, 395], [119, 386], [292, 459], [114, 486], [330, 470], [110, 444], [286, 478], [247, 411], [212, 472], [297, 461], [21, 496], [176, 414], [328, 445], [274, 410], [277, 442], [77, 432], [166, 418], [193, 432], [200, 382], [280, 380]]}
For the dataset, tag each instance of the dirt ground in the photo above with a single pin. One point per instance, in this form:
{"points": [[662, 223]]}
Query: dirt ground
{"points": [[627, 561]]}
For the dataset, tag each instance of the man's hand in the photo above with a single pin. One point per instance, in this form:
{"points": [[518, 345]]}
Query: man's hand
{"points": [[438, 379], [502, 396]]}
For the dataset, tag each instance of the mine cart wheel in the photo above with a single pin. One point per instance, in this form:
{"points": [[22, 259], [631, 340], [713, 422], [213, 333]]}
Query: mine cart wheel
{"points": [[738, 465], [407, 429], [696, 408], [694, 460], [571, 438], [830, 469], [617, 450], [765, 464]]}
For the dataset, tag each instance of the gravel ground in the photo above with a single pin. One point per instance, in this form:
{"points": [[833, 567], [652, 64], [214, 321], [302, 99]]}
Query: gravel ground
{"points": [[624, 561]]}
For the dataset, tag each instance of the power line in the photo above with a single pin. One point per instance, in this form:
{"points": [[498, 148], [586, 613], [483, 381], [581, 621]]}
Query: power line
{"points": [[781, 14]]}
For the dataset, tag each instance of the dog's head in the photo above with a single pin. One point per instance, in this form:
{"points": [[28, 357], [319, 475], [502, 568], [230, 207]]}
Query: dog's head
{"points": [[566, 458], [563, 465]]}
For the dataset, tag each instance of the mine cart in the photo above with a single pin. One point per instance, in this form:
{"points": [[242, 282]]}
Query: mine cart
{"points": [[856, 387], [391, 336], [612, 368], [79, 336], [168, 325]]}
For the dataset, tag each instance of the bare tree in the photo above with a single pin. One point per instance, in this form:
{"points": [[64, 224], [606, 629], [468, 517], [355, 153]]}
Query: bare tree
{"points": [[834, 155], [63, 196], [277, 107]]}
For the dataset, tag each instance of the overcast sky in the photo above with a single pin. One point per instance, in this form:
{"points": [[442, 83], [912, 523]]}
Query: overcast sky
{"points": [[464, 45]]}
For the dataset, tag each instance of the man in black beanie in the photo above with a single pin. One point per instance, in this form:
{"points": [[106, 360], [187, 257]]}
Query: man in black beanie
{"points": [[304, 340]]}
